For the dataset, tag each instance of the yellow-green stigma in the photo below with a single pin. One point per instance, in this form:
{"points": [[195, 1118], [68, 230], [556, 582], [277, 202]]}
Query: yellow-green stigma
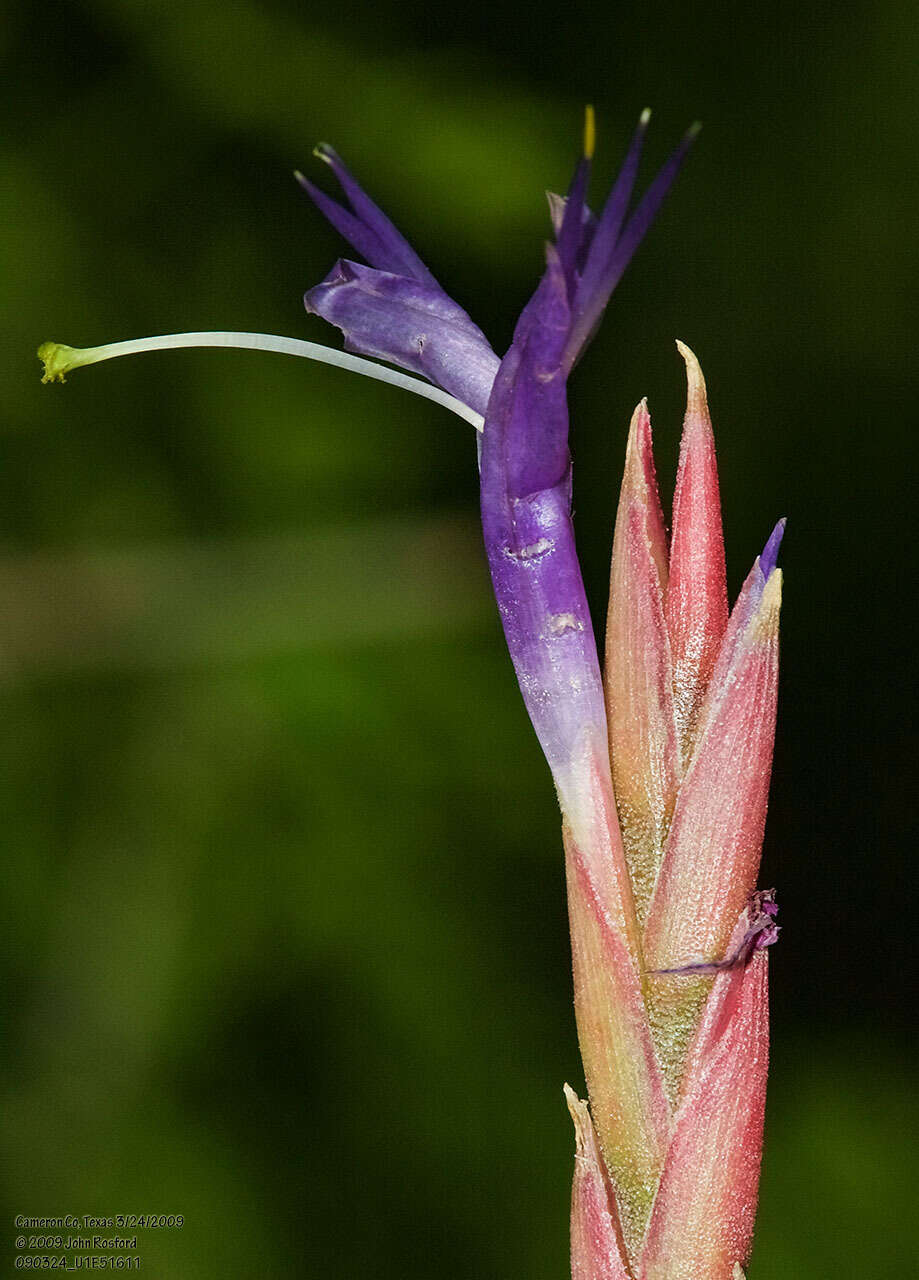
{"points": [[59, 359]]}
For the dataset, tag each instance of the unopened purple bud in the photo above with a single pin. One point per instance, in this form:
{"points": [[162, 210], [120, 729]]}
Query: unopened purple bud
{"points": [[770, 553]]}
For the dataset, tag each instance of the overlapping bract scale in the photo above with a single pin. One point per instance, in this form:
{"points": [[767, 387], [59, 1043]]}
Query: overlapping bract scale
{"points": [[644, 746], [697, 598], [702, 1223], [597, 1248], [691, 699]]}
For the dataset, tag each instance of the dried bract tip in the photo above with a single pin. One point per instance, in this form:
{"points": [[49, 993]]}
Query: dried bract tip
{"points": [[696, 398], [597, 1250]]}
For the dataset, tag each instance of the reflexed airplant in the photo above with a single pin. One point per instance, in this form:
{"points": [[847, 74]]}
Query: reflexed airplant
{"points": [[661, 761]]}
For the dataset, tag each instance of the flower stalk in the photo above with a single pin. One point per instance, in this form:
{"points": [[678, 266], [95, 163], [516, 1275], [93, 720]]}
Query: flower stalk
{"points": [[660, 760]]}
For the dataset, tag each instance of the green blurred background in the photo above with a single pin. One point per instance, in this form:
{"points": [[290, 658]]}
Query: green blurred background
{"points": [[284, 935]]}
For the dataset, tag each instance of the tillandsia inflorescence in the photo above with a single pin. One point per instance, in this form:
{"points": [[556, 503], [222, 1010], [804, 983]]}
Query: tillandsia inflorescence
{"points": [[661, 761]]}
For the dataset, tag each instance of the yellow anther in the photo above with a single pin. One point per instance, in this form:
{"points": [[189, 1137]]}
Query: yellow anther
{"points": [[590, 132]]}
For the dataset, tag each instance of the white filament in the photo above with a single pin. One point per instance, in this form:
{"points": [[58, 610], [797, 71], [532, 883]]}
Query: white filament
{"points": [[290, 347]]}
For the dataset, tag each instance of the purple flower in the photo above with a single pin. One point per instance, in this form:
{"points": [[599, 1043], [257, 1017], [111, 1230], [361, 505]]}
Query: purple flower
{"points": [[395, 310]]}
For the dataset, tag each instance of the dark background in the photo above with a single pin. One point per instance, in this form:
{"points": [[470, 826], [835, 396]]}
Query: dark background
{"points": [[284, 937]]}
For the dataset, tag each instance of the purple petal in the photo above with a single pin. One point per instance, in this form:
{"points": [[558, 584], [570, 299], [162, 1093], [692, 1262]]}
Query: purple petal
{"points": [[536, 437], [410, 323], [529, 538], [570, 230], [612, 251], [368, 229], [611, 219], [640, 222], [360, 237], [770, 552]]}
